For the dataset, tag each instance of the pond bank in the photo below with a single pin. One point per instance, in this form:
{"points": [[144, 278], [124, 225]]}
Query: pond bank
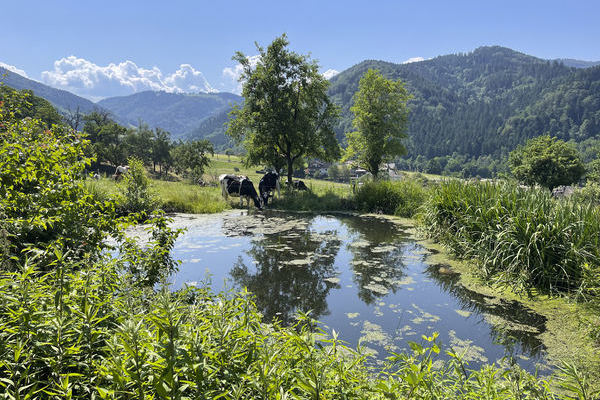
{"points": [[568, 326]]}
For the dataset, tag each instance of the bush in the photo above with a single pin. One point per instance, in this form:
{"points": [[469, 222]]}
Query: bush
{"points": [[106, 337], [590, 193], [43, 202], [136, 196], [329, 200], [401, 198]]}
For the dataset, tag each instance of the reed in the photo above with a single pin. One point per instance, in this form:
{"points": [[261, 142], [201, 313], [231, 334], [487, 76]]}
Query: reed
{"points": [[520, 237]]}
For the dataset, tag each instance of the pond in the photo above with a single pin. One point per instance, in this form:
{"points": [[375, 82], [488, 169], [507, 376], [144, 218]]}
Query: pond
{"points": [[365, 277]]}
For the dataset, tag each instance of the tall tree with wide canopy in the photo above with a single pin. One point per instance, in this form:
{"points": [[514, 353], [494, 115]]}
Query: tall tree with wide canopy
{"points": [[546, 161], [286, 114], [380, 117]]}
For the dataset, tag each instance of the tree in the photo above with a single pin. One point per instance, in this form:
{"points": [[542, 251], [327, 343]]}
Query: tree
{"points": [[161, 150], [380, 120], [191, 158], [546, 161], [43, 201], [286, 114], [333, 172]]}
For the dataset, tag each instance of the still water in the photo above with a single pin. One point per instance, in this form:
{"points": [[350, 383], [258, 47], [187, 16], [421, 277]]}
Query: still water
{"points": [[362, 276]]}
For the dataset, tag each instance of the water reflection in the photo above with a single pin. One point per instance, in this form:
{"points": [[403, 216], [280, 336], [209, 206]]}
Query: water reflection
{"points": [[513, 325], [362, 277], [293, 273]]}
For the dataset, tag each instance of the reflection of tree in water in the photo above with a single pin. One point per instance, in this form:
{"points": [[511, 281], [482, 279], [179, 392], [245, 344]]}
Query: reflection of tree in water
{"points": [[281, 288], [523, 324], [377, 257]]}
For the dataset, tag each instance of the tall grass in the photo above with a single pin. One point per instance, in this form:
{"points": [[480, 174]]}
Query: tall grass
{"points": [[523, 238], [183, 197], [402, 198], [171, 196]]}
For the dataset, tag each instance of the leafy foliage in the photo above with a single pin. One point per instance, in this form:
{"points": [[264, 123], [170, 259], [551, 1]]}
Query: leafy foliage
{"points": [[546, 161], [136, 196], [191, 158], [286, 114], [42, 199], [380, 117]]}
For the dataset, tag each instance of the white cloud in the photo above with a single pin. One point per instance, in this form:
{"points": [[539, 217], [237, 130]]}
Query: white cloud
{"points": [[14, 69], [330, 73], [233, 74], [85, 78], [413, 59]]}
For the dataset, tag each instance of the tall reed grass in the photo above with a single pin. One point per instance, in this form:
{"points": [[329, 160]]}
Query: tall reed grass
{"points": [[520, 237]]}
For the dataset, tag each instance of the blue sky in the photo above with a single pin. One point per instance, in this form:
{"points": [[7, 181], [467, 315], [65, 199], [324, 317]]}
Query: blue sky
{"points": [[187, 45]]}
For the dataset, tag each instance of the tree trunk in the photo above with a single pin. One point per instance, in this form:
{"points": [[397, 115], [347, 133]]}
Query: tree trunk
{"points": [[290, 171]]}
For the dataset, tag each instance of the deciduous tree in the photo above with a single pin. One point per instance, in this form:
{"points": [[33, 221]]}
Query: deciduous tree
{"points": [[286, 114], [546, 161], [380, 120]]}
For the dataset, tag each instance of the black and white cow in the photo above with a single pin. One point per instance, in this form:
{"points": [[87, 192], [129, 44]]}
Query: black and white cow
{"points": [[239, 186], [300, 185], [120, 171], [268, 184]]}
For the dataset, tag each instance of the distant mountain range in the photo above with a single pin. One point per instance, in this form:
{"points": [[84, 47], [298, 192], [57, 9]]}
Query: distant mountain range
{"points": [[61, 99], [569, 62], [180, 114], [486, 102], [476, 104]]}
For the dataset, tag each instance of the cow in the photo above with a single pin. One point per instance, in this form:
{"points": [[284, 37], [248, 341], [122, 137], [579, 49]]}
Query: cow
{"points": [[267, 185], [239, 186], [299, 185], [120, 171]]}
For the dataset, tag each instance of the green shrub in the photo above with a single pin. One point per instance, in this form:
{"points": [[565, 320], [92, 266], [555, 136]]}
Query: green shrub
{"points": [[590, 193], [94, 333], [324, 201], [43, 201], [136, 195], [401, 198]]}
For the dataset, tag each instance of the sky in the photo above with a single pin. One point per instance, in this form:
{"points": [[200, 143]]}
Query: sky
{"points": [[115, 48]]}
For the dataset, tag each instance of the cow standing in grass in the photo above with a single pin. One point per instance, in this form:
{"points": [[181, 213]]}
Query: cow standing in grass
{"points": [[268, 185], [239, 186], [120, 171]]}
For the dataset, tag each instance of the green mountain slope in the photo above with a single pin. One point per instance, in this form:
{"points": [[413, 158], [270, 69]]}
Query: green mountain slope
{"points": [[61, 99], [177, 113], [478, 104], [482, 103]]}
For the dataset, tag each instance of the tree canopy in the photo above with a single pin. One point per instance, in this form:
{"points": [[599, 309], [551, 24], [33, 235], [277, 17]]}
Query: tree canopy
{"points": [[380, 117], [286, 114], [546, 161]]}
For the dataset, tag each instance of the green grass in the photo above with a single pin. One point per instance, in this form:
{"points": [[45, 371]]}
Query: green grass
{"points": [[402, 198], [183, 197], [172, 196]]}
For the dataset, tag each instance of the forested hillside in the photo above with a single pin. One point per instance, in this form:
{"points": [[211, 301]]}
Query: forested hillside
{"points": [[479, 106], [61, 99], [175, 112]]}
